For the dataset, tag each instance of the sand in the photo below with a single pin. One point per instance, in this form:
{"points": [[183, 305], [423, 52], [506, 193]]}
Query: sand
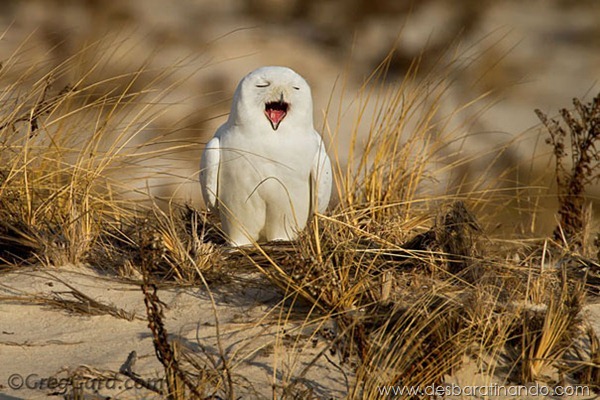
{"points": [[38, 341]]}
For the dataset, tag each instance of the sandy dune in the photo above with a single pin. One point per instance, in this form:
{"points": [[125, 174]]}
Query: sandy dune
{"points": [[42, 341]]}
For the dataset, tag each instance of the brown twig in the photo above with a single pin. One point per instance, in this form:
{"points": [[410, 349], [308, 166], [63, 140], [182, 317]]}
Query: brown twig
{"points": [[165, 351]]}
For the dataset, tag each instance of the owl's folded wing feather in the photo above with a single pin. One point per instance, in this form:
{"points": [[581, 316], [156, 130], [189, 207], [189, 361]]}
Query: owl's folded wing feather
{"points": [[209, 173], [321, 178]]}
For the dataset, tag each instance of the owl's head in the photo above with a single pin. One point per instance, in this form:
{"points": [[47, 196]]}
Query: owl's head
{"points": [[273, 98]]}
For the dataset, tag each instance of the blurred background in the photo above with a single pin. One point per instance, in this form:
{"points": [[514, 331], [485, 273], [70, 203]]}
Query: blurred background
{"points": [[518, 55]]}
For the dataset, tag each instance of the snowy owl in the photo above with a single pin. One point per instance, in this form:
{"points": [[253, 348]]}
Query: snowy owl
{"points": [[266, 169]]}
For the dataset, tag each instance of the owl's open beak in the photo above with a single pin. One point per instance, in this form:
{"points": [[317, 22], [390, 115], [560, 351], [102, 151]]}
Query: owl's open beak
{"points": [[276, 112]]}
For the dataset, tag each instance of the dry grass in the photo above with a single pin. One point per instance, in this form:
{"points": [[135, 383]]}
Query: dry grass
{"points": [[58, 149], [410, 280]]}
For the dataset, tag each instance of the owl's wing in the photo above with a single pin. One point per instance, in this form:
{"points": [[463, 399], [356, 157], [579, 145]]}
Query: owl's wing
{"points": [[321, 177], [209, 173]]}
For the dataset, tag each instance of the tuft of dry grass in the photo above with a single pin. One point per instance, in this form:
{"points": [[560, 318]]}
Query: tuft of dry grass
{"points": [[71, 154], [587, 365], [547, 329]]}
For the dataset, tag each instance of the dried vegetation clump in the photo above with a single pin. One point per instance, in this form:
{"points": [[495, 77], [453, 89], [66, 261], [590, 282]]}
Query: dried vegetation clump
{"points": [[577, 159]]}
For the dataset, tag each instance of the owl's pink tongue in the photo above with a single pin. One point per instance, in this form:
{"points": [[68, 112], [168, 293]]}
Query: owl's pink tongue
{"points": [[275, 115], [276, 112]]}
